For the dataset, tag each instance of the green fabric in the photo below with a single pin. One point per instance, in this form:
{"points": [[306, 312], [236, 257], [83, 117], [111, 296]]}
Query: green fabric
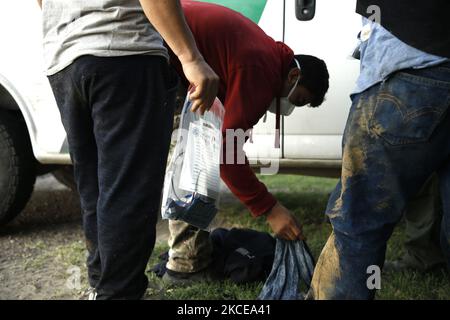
{"points": [[423, 219], [252, 9]]}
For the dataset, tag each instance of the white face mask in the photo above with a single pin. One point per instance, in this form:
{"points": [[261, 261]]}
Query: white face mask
{"points": [[286, 106]]}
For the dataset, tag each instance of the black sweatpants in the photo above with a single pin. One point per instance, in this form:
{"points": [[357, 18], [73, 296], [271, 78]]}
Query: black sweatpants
{"points": [[118, 114]]}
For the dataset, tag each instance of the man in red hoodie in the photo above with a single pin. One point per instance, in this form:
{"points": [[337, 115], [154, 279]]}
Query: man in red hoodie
{"points": [[255, 71]]}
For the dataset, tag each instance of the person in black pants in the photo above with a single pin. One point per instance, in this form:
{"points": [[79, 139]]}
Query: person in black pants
{"points": [[110, 76], [118, 128]]}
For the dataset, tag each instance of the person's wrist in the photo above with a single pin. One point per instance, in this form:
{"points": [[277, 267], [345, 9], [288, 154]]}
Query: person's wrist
{"points": [[190, 56], [269, 213]]}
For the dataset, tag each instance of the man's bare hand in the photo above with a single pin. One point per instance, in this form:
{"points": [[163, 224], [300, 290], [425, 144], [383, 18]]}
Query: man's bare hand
{"points": [[168, 18], [205, 84], [284, 224]]}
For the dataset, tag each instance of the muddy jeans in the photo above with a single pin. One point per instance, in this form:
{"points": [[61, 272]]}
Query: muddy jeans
{"points": [[190, 248], [118, 115], [396, 136]]}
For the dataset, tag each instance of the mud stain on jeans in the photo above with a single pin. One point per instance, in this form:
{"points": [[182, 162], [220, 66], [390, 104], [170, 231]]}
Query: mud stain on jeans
{"points": [[327, 272]]}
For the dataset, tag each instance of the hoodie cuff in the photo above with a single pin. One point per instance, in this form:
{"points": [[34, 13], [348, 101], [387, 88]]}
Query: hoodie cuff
{"points": [[262, 204]]}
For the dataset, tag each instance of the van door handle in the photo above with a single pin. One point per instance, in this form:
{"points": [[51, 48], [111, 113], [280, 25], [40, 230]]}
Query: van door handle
{"points": [[305, 10]]}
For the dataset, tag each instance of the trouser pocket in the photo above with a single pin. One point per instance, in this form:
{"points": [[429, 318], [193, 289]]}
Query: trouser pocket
{"points": [[410, 105]]}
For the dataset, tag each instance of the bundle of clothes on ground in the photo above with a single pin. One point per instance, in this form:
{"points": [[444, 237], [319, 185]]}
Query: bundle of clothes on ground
{"points": [[246, 256]]}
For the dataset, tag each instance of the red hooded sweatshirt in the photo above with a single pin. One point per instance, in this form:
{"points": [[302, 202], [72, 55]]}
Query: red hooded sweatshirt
{"points": [[252, 68]]}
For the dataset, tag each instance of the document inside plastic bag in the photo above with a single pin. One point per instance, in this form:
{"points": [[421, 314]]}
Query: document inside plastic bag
{"points": [[192, 182], [200, 171]]}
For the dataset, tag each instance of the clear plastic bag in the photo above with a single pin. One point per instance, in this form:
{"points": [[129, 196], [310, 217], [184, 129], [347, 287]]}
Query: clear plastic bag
{"points": [[192, 181]]}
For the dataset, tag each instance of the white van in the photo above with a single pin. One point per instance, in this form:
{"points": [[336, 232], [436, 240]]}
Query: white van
{"points": [[33, 142]]}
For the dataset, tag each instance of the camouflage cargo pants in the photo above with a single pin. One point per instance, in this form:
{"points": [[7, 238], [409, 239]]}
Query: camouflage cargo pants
{"points": [[190, 248]]}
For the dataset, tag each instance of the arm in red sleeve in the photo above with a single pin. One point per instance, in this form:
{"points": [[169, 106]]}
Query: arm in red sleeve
{"points": [[248, 95]]}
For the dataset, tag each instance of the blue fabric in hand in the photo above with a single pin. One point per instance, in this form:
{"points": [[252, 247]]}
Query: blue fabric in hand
{"points": [[293, 263]]}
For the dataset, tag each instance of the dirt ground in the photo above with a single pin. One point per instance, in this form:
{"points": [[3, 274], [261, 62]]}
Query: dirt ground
{"points": [[41, 247], [34, 247]]}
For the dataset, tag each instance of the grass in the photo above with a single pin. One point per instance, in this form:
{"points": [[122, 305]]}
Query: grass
{"points": [[307, 198]]}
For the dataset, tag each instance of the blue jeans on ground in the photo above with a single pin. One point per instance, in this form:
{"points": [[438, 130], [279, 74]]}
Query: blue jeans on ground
{"points": [[118, 115], [397, 135]]}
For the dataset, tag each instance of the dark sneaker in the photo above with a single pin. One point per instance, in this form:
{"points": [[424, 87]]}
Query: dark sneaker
{"points": [[93, 295], [89, 294], [186, 279]]}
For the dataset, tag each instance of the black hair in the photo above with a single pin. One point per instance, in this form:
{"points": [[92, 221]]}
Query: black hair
{"points": [[314, 77]]}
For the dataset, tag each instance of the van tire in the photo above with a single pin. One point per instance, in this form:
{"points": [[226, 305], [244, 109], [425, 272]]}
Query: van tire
{"points": [[17, 166]]}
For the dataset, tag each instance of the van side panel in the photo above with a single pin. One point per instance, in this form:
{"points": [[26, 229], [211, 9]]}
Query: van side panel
{"points": [[22, 75], [332, 36]]}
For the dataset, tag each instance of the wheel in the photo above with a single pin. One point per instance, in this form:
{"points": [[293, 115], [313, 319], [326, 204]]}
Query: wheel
{"points": [[17, 166]]}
